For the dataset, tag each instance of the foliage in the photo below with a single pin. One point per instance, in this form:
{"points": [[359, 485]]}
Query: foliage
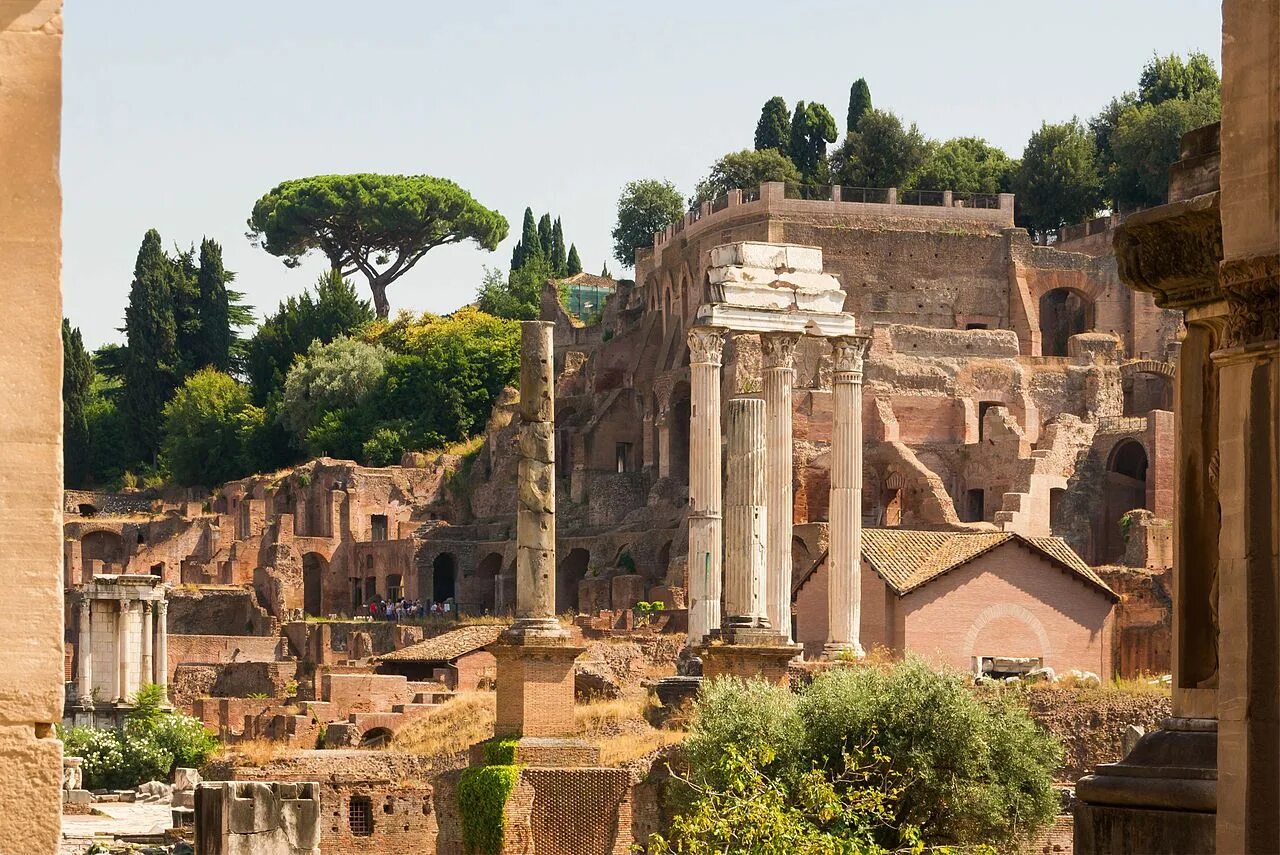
{"points": [[1146, 141], [151, 744], [529, 246], [812, 127], [558, 259], [332, 310], [859, 104], [378, 225], [965, 165], [881, 153], [77, 394], [1057, 181], [742, 170], [209, 429], [644, 208], [573, 265], [644, 611], [1169, 77], [517, 296], [773, 129], [332, 375], [500, 752], [152, 360], [934, 763], [482, 799], [212, 343]]}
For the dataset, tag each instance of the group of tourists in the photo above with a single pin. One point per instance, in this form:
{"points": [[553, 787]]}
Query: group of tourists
{"points": [[403, 608]]}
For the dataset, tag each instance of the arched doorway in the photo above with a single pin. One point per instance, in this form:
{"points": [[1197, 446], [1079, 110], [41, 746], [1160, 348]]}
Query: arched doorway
{"points": [[376, 738], [1126, 489], [572, 570], [1063, 313], [444, 578], [104, 546], [486, 580], [314, 568], [679, 428]]}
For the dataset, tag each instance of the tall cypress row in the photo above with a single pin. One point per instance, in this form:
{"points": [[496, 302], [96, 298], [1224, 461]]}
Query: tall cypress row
{"points": [[558, 261], [212, 345], [859, 103], [544, 236], [529, 244], [573, 264], [77, 383], [152, 362]]}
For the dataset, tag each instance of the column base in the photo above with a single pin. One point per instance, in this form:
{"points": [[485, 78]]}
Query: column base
{"points": [[558, 752], [1160, 799], [535, 685], [765, 660], [842, 651]]}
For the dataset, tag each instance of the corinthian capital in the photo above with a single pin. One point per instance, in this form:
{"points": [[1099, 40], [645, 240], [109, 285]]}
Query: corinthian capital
{"points": [[778, 349], [706, 345], [848, 352]]}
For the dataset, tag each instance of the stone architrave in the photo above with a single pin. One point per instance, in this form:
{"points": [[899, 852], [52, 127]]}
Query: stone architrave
{"points": [[779, 351], [706, 348], [844, 562], [745, 518]]}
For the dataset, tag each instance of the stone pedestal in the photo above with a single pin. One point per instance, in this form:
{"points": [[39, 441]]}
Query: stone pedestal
{"points": [[765, 660], [535, 686]]}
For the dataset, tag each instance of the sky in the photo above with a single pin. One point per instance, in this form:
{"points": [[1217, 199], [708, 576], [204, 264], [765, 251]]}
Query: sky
{"points": [[179, 115]]}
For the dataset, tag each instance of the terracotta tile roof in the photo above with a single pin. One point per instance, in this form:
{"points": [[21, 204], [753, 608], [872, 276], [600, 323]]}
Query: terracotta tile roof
{"points": [[907, 559], [447, 647]]}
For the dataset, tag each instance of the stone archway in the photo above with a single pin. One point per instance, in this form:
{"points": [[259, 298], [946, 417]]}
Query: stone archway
{"points": [[572, 570], [1064, 312], [444, 578], [1125, 490], [314, 570]]}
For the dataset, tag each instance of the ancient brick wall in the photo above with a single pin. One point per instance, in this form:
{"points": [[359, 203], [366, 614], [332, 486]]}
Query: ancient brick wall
{"points": [[216, 612], [402, 817], [1143, 619]]}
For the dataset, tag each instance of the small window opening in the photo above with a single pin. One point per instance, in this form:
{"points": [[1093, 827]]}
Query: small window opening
{"points": [[378, 522], [360, 816]]}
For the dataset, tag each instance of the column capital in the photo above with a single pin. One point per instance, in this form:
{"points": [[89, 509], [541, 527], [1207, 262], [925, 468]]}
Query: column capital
{"points": [[85, 605], [849, 352], [778, 349], [706, 345]]}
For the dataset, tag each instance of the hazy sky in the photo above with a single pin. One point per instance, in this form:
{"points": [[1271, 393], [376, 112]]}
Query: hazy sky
{"points": [[179, 115]]}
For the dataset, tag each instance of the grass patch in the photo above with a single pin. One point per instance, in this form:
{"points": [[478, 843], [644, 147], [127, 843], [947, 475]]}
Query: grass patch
{"points": [[253, 752], [454, 726]]}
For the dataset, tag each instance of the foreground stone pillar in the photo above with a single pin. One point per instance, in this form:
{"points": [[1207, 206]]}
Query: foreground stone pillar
{"points": [[162, 645], [779, 350], [844, 558], [745, 517], [148, 667], [706, 348], [122, 651], [84, 656]]}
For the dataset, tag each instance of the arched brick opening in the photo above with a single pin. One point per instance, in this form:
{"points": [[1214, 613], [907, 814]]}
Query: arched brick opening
{"points": [[572, 570], [1126, 489], [485, 583], [444, 577], [314, 569], [1064, 312], [105, 546]]}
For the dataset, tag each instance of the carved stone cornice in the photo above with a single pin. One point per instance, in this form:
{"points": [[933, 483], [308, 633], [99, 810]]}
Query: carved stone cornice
{"points": [[1173, 252], [706, 346], [1252, 289], [778, 350]]}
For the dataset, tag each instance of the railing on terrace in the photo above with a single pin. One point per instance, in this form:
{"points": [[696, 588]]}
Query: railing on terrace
{"points": [[808, 192], [976, 200], [921, 197], [722, 202], [751, 194], [866, 195]]}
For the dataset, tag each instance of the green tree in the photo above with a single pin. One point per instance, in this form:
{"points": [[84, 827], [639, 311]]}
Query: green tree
{"points": [[1169, 77], [881, 153], [812, 127], [558, 260], [644, 208], [212, 346], [529, 244], [1057, 181], [152, 361], [604, 271], [1146, 140], [966, 165], [517, 296], [378, 225], [209, 429], [77, 392], [573, 266], [332, 310], [545, 239], [859, 104], [333, 375], [773, 130], [741, 170]]}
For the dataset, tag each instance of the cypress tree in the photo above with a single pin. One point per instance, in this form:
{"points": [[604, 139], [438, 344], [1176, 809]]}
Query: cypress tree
{"points": [[573, 265], [798, 141], [213, 344], [604, 271], [517, 255], [859, 103], [544, 236], [529, 243], [558, 261], [186, 311], [773, 130], [152, 361], [77, 383]]}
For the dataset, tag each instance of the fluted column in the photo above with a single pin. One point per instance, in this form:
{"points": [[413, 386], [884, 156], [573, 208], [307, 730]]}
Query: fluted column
{"points": [[147, 670], [779, 350], [745, 516], [124, 661], [84, 655], [161, 665], [706, 348], [844, 571], [536, 486]]}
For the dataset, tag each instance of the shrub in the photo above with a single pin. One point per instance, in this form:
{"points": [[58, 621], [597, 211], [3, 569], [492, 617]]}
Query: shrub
{"points": [[482, 800]]}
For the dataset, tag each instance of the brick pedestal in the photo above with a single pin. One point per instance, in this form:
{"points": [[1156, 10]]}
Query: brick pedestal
{"points": [[766, 661], [535, 686]]}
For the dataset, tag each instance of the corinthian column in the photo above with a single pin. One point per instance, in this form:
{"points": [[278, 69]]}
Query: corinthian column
{"points": [[844, 558], [745, 516], [779, 350], [84, 653], [536, 487], [161, 664], [706, 346], [148, 669]]}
